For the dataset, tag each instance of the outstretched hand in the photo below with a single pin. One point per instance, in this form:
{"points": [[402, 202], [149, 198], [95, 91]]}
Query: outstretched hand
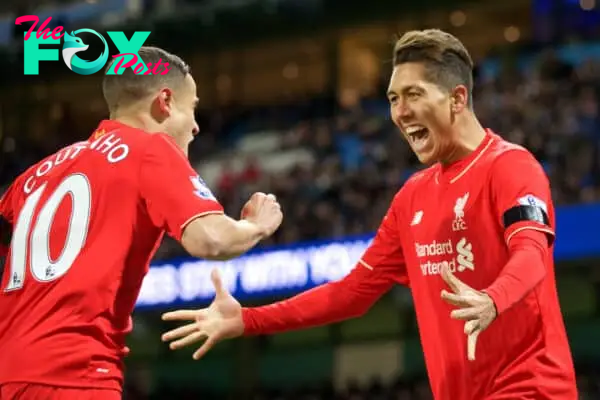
{"points": [[221, 320], [475, 307]]}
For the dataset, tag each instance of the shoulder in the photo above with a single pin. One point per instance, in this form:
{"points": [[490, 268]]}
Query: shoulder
{"points": [[510, 157], [135, 138], [421, 177], [514, 167], [162, 143], [507, 159], [162, 155], [502, 150], [415, 181]]}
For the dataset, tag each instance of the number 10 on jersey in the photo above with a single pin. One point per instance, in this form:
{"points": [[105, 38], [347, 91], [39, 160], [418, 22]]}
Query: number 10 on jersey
{"points": [[31, 235]]}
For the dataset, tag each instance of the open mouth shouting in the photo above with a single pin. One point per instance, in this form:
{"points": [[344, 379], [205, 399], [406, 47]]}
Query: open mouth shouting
{"points": [[418, 137]]}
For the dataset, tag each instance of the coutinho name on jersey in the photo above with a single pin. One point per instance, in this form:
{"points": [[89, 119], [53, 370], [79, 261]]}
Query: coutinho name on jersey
{"points": [[435, 255], [108, 144]]}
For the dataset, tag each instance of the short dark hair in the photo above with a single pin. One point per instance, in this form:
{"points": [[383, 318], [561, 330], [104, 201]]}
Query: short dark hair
{"points": [[446, 59], [128, 87]]}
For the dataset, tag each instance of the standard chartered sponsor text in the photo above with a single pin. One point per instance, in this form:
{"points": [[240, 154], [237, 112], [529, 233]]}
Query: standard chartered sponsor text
{"points": [[463, 261], [434, 248]]}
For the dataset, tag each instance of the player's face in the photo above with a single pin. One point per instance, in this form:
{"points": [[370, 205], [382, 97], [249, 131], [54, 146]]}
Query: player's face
{"points": [[422, 111], [181, 123]]}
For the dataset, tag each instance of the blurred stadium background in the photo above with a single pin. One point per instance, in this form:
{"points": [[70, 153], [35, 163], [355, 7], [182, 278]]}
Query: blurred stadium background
{"points": [[292, 102]]}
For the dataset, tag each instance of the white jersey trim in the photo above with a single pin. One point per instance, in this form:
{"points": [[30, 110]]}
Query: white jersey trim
{"points": [[202, 214], [535, 228], [364, 264]]}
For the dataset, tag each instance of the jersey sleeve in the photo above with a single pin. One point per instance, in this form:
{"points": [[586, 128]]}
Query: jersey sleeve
{"points": [[385, 254], [521, 194], [173, 192]]}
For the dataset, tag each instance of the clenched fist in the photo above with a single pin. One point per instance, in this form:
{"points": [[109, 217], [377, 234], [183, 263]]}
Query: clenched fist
{"points": [[264, 211]]}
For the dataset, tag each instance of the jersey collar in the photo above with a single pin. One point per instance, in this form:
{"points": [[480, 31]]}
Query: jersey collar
{"points": [[106, 126], [455, 171]]}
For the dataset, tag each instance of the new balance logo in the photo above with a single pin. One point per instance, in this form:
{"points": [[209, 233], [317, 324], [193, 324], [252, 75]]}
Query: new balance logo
{"points": [[417, 218], [459, 213]]}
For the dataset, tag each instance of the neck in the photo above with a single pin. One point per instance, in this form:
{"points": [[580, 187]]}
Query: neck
{"points": [[469, 137], [136, 120]]}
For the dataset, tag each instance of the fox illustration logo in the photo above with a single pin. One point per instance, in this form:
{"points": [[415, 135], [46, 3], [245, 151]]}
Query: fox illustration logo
{"points": [[73, 45]]}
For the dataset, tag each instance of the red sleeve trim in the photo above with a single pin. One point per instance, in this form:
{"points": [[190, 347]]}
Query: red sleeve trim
{"points": [[218, 210], [514, 229]]}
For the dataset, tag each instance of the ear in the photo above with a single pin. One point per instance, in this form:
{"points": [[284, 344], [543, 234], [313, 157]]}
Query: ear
{"points": [[460, 99], [162, 104]]}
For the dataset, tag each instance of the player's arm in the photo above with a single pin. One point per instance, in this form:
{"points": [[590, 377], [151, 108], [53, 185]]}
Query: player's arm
{"points": [[522, 198], [379, 268], [219, 237], [178, 201]]}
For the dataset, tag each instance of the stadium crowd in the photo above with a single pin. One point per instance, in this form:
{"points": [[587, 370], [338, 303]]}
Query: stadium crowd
{"points": [[360, 161]]}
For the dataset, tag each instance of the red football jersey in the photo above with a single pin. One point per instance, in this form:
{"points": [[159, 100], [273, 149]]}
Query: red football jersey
{"points": [[85, 224], [456, 216]]}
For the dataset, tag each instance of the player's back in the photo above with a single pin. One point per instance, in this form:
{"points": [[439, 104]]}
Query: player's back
{"points": [[74, 270]]}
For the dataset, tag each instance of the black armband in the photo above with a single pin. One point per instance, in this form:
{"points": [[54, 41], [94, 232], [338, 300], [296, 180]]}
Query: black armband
{"points": [[525, 213]]}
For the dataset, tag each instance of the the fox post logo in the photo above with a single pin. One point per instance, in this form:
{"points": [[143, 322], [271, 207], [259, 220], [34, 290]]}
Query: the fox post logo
{"points": [[72, 44]]}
